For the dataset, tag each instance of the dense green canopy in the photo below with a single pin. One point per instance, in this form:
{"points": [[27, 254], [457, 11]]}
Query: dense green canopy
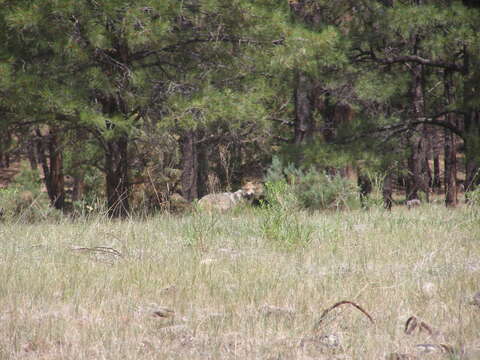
{"points": [[196, 96]]}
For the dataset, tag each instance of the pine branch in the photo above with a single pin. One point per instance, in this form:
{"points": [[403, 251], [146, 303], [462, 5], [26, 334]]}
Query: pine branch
{"points": [[369, 55], [399, 128], [418, 60]]}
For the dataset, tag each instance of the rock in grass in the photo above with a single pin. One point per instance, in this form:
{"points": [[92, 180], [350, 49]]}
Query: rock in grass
{"points": [[476, 299], [413, 203], [429, 290]]}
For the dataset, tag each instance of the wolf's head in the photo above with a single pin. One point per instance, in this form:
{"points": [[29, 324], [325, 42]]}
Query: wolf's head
{"points": [[252, 190]]}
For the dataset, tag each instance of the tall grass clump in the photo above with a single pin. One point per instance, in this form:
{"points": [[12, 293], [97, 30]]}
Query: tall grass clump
{"points": [[281, 217], [290, 191], [199, 228]]}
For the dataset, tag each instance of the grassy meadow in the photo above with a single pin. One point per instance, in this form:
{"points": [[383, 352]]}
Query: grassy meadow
{"points": [[244, 285]]}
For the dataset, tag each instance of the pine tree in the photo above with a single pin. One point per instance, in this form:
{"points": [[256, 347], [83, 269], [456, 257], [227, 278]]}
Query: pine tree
{"points": [[110, 66]]}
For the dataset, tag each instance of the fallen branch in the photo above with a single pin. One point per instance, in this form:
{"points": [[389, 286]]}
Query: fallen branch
{"points": [[413, 323], [345, 302], [101, 249]]}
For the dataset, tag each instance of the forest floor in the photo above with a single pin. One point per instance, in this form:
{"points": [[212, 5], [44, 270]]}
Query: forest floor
{"points": [[242, 285]]}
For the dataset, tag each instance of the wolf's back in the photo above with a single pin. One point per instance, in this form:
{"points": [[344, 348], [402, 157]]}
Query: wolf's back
{"points": [[221, 202]]}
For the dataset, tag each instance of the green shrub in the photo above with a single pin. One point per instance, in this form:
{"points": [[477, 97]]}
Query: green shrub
{"points": [[290, 187], [281, 195], [317, 190]]}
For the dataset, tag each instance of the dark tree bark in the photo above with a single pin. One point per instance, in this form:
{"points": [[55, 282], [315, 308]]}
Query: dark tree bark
{"points": [[436, 149], [116, 156], [4, 153], [78, 170], [42, 157], [416, 161], [472, 118], [203, 167], [303, 108], [7, 159], [365, 187], [57, 190], [78, 187], [472, 3], [387, 191], [32, 153], [336, 115], [116, 167], [472, 143], [450, 148], [52, 165], [189, 177], [426, 170], [329, 115], [2, 160]]}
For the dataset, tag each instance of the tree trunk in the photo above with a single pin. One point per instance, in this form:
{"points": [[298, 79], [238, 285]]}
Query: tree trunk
{"points": [[202, 173], [330, 124], [365, 187], [450, 148], [416, 161], [32, 153], [52, 166], [303, 108], [78, 187], [472, 146], [42, 157], [4, 150], [436, 144], [116, 167], [450, 169], [57, 188], [426, 170], [472, 118], [189, 177], [387, 191]]}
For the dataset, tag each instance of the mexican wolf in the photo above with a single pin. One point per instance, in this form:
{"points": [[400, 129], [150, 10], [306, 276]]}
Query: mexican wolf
{"points": [[228, 200]]}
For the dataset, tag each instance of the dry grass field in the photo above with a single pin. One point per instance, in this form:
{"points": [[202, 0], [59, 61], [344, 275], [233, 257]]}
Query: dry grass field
{"points": [[229, 287]]}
